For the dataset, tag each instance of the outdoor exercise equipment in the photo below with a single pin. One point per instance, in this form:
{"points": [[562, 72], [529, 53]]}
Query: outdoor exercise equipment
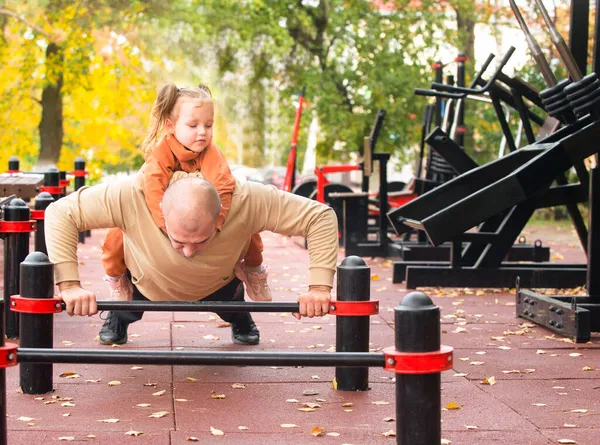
{"points": [[499, 197], [417, 358], [573, 316], [290, 174]]}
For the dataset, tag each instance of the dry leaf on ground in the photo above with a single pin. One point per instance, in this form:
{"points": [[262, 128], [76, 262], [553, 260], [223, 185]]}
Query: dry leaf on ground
{"points": [[159, 414], [317, 431], [134, 433], [216, 432]]}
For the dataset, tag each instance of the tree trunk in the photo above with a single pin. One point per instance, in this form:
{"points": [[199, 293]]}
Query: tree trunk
{"points": [[51, 124], [465, 23]]}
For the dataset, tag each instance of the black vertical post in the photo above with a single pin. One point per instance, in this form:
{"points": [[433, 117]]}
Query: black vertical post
{"points": [[79, 172], [16, 248], [439, 78], [579, 32], [596, 57], [13, 164], [3, 426], [418, 396], [37, 281], [460, 81], [593, 269], [383, 159], [52, 179], [355, 215], [63, 182], [352, 332], [42, 201]]}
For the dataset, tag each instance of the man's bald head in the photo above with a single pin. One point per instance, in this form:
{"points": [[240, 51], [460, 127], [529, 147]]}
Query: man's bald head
{"points": [[191, 203]]}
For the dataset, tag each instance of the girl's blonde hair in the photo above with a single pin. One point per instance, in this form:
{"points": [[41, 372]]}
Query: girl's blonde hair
{"points": [[166, 107]]}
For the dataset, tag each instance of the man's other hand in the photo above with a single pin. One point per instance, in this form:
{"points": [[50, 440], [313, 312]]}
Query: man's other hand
{"points": [[78, 300], [314, 303]]}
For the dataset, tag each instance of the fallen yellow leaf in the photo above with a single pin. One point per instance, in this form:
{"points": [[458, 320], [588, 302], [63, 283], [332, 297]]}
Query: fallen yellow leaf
{"points": [[191, 379], [390, 433], [489, 381], [288, 425], [25, 419], [159, 414], [217, 396], [566, 441], [109, 420], [452, 405], [238, 386], [317, 431], [159, 393], [191, 439], [67, 438], [114, 383], [69, 375]]}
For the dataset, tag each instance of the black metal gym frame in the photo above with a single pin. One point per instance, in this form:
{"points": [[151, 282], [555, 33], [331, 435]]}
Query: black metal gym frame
{"points": [[575, 316], [462, 162], [516, 184]]}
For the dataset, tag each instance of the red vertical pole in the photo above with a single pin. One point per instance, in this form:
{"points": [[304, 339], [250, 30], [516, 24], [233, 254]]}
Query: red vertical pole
{"points": [[290, 173]]}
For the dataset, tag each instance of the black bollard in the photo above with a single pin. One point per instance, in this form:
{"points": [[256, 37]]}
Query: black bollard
{"points": [[13, 165], [418, 396], [52, 183], [79, 173], [3, 425], [16, 248], [352, 332], [37, 281], [42, 201], [63, 182]]}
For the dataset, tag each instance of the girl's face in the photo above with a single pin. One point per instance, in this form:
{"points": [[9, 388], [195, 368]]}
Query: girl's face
{"points": [[193, 127]]}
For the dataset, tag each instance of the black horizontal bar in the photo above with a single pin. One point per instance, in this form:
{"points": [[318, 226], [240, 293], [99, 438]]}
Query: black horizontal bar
{"points": [[195, 306], [228, 358]]}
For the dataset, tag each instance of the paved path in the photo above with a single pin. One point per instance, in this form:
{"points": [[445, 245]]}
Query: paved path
{"points": [[545, 390]]}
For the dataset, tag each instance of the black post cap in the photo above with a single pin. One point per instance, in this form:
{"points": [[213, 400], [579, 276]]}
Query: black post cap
{"points": [[13, 163], [353, 261], [17, 202], [36, 259], [416, 300]]}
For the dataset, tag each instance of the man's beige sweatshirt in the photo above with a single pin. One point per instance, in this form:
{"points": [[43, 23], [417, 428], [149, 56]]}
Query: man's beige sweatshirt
{"points": [[158, 270]]}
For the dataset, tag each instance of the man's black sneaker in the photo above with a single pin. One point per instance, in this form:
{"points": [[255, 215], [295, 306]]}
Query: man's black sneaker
{"points": [[244, 331], [114, 331]]}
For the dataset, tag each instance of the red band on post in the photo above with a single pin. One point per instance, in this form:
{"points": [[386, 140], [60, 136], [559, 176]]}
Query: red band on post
{"points": [[37, 214], [17, 226], [418, 362], [52, 189], [8, 355], [79, 173], [64, 182], [12, 172], [35, 305], [354, 308]]}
